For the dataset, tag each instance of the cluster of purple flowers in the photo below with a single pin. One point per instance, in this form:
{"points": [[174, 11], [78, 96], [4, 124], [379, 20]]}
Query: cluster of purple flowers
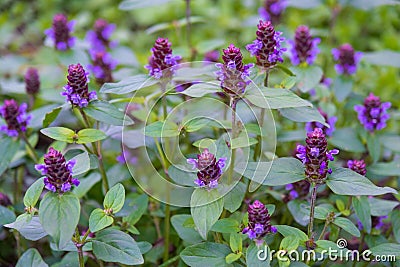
{"points": [[331, 121], [358, 166], [304, 48], [15, 117], [76, 90], [315, 156], [373, 114], [58, 172], [32, 82], [209, 169], [267, 45], [347, 59], [259, 222], [60, 33], [298, 189], [162, 63], [233, 74], [272, 10]]}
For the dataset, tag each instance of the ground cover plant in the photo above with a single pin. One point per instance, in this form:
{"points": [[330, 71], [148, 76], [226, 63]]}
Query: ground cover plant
{"points": [[200, 133]]}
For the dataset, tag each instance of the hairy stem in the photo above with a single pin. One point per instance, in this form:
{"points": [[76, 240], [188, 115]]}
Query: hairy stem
{"points": [[312, 209]]}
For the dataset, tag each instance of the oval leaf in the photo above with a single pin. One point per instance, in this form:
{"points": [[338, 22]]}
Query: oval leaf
{"points": [[33, 193], [205, 254], [59, 134], [99, 220], [90, 135], [107, 113], [115, 198], [31, 258]]}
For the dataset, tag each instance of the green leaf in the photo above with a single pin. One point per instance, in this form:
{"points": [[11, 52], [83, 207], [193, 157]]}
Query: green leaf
{"points": [[307, 77], [105, 112], [51, 116], [181, 176], [290, 242], [205, 254], [112, 245], [302, 114], [391, 142], [342, 87], [300, 214], [285, 70], [385, 168], [59, 134], [280, 171], [161, 129], [347, 139], [384, 57], [9, 148], [374, 147], [273, 98], [363, 211], [196, 124], [90, 135], [28, 226], [205, 214], [82, 164], [235, 242], [33, 193], [287, 230], [233, 199], [137, 207], [31, 258], [243, 141], [344, 181], [395, 219], [59, 215], [69, 260], [386, 249], [201, 89], [6, 216], [144, 246], [187, 234], [252, 256], [232, 257], [136, 4], [209, 45], [128, 85], [115, 198], [370, 4], [347, 225], [86, 184], [330, 247], [381, 207], [226, 226], [99, 220]]}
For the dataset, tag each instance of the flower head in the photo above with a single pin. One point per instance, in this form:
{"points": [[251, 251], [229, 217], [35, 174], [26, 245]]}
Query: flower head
{"points": [[259, 222], [357, 165], [315, 156], [304, 47], [60, 32], [15, 117], [233, 74], [211, 56], [58, 172], [272, 10], [331, 121], [267, 46], [99, 37], [102, 66], [32, 82], [347, 59], [298, 189], [162, 64], [373, 114], [209, 169], [76, 90]]}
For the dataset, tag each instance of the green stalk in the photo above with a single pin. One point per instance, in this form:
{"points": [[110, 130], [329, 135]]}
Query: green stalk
{"points": [[30, 147], [231, 166], [258, 152], [323, 230], [312, 209]]}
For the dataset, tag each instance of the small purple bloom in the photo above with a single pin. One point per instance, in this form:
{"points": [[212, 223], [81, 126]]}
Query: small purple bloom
{"points": [[373, 114], [32, 82], [102, 66], [99, 37], [272, 10], [304, 48], [60, 32], [358, 166], [211, 56], [127, 157], [331, 121], [347, 59], [58, 172], [15, 117], [259, 222]]}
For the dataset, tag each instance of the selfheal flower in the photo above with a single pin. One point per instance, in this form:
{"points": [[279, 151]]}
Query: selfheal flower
{"points": [[209, 169], [325, 81], [259, 222], [272, 10], [15, 117], [331, 121], [76, 90], [347, 59], [162, 64], [127, 157], [358, 166], [102, 66], [304, 48], [267, 46], [99, 37], [233, 74], [315, 156], [211, 56], [60, 32], [58, 172], [298, 189], [32, 82], [373, 114]]}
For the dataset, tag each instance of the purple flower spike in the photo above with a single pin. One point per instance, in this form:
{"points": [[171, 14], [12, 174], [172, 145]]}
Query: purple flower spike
{"points": [[267, 46], [32, 82], [331, 121], [272, 10], [99, 37], [76, 91], [373, 114], [259, 222], [233, 74], [102, 66], [209, 169], [358, 166], [315, 156], [162, 64], [347, 59], [298, 189], [58, 172], [60, 32], [15, 117], [304, 47]]}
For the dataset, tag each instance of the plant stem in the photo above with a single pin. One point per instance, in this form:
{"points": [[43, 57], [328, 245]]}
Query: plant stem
{"points": [[323, 230], [232, 163], [312, 209], [166, 228], [30, 147], [257, 151], [80, 256], [168, 262]]}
